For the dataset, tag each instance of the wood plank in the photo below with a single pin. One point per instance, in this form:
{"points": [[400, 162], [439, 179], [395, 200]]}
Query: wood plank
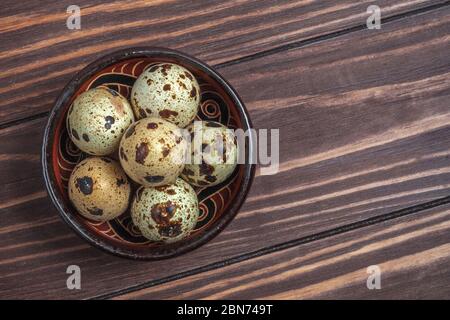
{"points": [[38, 54], [412, 253], [373, 140]]}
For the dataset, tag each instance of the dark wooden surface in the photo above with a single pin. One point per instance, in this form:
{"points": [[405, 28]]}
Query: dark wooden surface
{"points": [[412, 252], [364, 121], [39, 54]]}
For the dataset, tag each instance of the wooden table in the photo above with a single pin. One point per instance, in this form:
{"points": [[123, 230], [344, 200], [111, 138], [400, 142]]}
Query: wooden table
{"points": [[364, 119]]}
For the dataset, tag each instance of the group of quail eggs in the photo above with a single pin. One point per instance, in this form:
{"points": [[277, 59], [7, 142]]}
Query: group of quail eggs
{"points": [[148, 139]]}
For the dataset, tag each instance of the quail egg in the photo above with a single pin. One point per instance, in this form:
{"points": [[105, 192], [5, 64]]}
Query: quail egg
{"points": [[166, 213], [99, 189], [168, 91], [153, 151], [217, 153], [97, 120]]}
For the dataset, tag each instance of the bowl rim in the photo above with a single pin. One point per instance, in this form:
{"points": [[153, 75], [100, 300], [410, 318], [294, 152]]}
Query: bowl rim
{"points": [[48, 140]]}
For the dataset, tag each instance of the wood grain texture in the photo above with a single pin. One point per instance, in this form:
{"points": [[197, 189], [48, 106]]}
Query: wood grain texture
{"points": [[364, 131], [39, 54], [413, 254]]}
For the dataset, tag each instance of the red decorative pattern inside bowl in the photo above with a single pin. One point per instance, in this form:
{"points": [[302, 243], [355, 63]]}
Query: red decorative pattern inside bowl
{"points": [[213, 201]]}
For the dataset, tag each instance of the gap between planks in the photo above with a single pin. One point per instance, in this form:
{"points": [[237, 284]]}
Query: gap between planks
{"points": [[290, 46], [282, 246]]}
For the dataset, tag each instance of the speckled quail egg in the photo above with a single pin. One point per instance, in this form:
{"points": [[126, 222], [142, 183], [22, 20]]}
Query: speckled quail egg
{"points": [[99, 189], [166, 213], [97, 120], [217, 154], [153, 151], [168, 91]]}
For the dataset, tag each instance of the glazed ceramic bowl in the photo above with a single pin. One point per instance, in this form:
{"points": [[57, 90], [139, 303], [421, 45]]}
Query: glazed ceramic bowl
{"points": [[218, 204]]}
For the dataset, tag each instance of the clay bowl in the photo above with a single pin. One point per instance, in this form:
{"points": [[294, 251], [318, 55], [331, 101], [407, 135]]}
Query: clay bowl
{"points": [[218, 204]]}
